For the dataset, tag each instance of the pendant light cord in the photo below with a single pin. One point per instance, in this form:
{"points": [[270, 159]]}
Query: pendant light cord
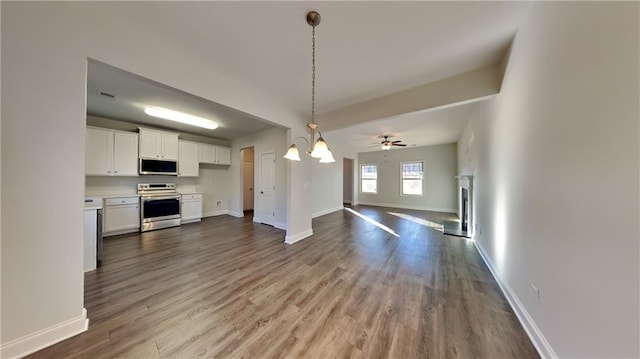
{"points": [[313, 74]]}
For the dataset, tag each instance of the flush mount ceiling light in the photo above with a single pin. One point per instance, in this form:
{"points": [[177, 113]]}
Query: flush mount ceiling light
{"points": [[319, 149], [181, 117]]}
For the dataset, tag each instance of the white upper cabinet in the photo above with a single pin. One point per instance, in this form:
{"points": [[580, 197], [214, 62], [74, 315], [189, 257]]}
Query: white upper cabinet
{"points": [[125, 154], [158, 145], [99, 152], [206, 153], [214, 154], [187, 159], [223, 155], [111, 153]]}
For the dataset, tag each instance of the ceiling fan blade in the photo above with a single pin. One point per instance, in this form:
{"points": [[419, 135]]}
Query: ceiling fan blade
{"points": [[399, 144], [396, 141]]}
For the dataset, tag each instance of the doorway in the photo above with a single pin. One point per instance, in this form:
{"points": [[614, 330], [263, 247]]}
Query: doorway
{"points": [[347, 181], [248, 175]]}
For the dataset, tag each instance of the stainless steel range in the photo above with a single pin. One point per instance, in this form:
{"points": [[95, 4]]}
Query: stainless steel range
{"points": [[159, 206]]}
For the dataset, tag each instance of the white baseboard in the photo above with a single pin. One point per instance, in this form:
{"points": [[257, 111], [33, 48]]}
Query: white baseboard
{"points": [[326, 211], [275, 224], [215, 213], [539, 341], [235, 214], [298, 237], [191, 221], [422, 208], [33, 342]]}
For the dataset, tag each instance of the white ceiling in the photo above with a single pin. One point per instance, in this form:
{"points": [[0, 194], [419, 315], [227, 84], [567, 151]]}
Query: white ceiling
{"points": [[364, 49], [424, 128], [132, 93]]}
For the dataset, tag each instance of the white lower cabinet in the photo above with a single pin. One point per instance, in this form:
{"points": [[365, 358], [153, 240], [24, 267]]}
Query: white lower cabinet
{"points": [[121, 215], [191, 207]]}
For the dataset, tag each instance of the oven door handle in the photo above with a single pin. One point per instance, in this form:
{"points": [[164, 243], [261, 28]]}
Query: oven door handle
{"points": [[155, 198]]}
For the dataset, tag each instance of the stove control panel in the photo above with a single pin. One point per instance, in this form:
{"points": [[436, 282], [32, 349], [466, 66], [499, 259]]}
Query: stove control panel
{"points": [[156, 186]]}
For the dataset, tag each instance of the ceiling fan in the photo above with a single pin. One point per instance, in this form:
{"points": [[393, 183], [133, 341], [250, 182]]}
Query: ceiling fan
{"points": [[386, 144]]}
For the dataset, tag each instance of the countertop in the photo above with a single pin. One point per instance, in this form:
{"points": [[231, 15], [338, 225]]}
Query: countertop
{"points": [[121, 195], [92, 203]]}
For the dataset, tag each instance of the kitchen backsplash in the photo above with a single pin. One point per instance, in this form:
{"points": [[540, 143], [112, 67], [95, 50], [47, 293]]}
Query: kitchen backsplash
{"points": [[105, 186]]}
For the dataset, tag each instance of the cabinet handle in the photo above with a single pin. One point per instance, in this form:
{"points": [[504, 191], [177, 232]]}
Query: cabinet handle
{"points": [[108, 171], [115, 171]]}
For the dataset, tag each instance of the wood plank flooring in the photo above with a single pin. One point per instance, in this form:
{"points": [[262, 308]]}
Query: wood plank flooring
{"points": [[230, 288]]}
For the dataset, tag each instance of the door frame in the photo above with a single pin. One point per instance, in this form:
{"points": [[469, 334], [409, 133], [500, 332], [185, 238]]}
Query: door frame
{"points": [[242, 209], [257, 213]]}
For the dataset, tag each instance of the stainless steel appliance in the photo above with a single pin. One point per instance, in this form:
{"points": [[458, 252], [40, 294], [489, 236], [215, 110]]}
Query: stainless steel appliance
{"points": [[158, 167], [93, 250], [100, 243], [159, 206]]}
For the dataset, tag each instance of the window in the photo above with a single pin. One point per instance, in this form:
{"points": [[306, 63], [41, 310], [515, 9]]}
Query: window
{"points": [[412, 178], [369, 178]]}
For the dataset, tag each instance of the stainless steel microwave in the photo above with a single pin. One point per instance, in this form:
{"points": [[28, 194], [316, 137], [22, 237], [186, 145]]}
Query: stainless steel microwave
{"points": [[158, 167]]}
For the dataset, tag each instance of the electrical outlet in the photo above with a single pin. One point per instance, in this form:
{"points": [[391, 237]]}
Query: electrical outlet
{"points": [[536, 293], [218, 203]]}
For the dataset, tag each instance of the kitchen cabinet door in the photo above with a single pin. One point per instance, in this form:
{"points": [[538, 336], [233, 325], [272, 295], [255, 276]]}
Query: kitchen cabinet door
{"points": [[121, 217], [150, 143], [169, 146], [223, 155], [99, 152], [188, 159], [125, 154], [206, 153], [191, 208], [158, 145]]}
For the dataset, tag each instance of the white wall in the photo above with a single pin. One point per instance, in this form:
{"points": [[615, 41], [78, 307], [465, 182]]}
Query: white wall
{"points": [[328, 177], [555, 159], [45, 47], [439, 184], [274, 139]]}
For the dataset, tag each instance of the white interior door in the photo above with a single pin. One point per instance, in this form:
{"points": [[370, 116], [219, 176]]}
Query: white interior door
{"points": [[267, 211]]}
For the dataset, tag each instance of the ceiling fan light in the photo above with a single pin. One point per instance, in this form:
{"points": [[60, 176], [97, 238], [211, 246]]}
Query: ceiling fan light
{"points": [[386, 147], [181, 117], [293, 153], [327, 157], [320, 148]]}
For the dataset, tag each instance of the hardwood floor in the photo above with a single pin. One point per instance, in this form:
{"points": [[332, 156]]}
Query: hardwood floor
{"points": [[229, 288]]}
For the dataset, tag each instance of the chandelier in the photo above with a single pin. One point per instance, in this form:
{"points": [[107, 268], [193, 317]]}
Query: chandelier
{"points": [[315, 148]]}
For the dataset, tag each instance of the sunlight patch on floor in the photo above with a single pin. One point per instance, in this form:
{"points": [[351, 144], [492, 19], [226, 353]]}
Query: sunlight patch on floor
{"points": [[417, 220], [374, 222]]}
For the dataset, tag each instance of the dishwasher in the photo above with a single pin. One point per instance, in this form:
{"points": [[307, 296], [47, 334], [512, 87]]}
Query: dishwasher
{"points": [[99, 244]]}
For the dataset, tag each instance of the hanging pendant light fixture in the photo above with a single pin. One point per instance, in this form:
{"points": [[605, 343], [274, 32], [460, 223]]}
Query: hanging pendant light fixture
{"points": [[315, 148]]}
